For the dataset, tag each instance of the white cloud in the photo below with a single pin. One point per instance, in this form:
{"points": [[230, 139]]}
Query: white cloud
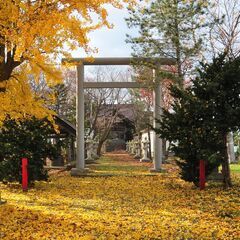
{"points": [[111, 42]]}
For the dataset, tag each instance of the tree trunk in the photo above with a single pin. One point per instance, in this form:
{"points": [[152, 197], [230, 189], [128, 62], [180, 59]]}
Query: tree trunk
{"points": [[177, 43], [8, 64], [230, 145], [99, 148], [225, 164], [164, 150], [150, 144]]}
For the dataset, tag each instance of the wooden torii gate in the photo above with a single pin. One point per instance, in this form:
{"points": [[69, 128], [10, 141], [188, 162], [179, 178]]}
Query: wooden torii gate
{"points": [[80, 63]]}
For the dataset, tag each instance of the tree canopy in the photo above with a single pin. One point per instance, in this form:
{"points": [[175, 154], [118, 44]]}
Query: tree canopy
{"points": [[204, 113], [34, 34], [170, 28]]}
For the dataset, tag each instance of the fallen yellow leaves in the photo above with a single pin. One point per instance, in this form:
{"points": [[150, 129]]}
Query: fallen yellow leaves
{"points": [[119, 207]]}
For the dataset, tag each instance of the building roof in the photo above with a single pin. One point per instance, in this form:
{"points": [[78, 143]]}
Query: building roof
{"points": [[65, 126], [125, 111]]}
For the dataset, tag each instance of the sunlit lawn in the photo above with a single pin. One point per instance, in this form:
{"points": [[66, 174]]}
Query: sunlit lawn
{"points": [[120, 200], [121, 164], [235, 168]]}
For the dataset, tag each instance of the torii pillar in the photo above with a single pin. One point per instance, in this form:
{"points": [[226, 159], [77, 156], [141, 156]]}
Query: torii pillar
{"points": [[158, 153], [80, 153]]}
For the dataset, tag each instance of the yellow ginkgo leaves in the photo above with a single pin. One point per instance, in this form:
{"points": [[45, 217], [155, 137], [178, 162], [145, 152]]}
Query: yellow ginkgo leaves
{"points": [[38, 33], [120, 207]]}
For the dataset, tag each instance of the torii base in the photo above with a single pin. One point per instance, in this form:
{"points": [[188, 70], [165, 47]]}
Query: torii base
{"points": [[153, 170], [75, 172]]}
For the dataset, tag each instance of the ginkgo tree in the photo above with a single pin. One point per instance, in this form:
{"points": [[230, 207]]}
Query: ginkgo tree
{"points": [[33, 34]]}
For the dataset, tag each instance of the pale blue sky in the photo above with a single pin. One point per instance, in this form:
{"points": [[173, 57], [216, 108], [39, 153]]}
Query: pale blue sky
{"points": [[111, 42]]}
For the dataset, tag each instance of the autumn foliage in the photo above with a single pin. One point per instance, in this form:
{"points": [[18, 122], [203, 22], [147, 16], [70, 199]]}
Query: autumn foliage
{"points": [[133, 206], [34, 34]]}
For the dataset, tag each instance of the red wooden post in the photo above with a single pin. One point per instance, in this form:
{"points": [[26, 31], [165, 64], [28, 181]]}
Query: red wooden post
{"points": [[24, 174], [202, 177]]}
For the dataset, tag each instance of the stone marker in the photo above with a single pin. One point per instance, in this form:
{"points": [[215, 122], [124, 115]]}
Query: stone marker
{"points": [[95, 147], [138, 149], [132, 148], [89, 147], [145, 158]]}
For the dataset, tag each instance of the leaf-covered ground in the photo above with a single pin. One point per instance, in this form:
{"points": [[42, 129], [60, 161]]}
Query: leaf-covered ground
{"points": [[120, 200]]}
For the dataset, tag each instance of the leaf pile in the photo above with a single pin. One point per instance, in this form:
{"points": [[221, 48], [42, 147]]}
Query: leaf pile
{"points": [[120, 207]]}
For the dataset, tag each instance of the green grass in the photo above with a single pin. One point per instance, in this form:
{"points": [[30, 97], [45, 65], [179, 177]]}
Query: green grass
{"points": [[235, 168], [107, 165]]}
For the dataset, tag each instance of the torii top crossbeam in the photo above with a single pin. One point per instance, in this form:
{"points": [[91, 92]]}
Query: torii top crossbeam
{"points": [[154, 62], [120, 61]]}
